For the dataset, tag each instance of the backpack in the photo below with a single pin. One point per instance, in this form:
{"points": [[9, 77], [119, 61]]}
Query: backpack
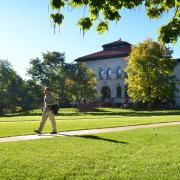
{"points": [[55, 109]]}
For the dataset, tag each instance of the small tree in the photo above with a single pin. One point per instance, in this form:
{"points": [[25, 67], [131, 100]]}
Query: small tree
{"points": [[151, 74], [82, 83]]}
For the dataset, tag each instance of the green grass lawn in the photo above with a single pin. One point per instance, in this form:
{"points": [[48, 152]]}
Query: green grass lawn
{"points": [[138, 154], [71, 119]]}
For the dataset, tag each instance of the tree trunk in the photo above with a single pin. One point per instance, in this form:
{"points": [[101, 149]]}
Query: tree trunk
{"points": [[1, 110]]}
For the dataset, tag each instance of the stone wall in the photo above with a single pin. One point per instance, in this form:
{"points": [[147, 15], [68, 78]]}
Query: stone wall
{"points": [[113, 82], [110, 64]]}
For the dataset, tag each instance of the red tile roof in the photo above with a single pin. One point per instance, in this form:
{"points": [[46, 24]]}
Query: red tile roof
{"points": [[123, 52], [111, 50]]}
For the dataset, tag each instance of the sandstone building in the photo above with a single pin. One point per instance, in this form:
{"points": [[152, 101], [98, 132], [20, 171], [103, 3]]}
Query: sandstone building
{"points": [[109, 67]]}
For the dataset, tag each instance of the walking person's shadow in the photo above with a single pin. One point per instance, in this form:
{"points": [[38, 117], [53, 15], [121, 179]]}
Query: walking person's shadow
{"points": [[100, 138], [93, 137]]}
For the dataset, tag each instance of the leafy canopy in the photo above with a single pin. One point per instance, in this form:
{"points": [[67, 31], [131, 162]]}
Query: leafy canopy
{"points": [[109, 10], [150, 72], [68, 81], [10, 87], [81, 82]]}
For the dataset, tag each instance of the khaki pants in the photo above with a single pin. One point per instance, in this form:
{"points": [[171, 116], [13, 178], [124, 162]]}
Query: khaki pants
{"points": [[45, 116]]}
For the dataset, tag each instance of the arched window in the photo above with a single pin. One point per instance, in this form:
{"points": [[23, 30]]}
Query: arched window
{"points": [[101, 74], [118, 91], [109, 74], [119, 73]]}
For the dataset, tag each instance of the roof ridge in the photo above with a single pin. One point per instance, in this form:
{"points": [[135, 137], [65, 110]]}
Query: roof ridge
{"points": [[116, 42]]}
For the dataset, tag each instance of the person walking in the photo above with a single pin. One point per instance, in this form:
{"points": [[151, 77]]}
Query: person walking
{"points": [[49, 100]]}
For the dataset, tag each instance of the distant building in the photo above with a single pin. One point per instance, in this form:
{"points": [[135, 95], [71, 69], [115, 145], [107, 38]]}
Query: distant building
{"points": [[109, 66]]}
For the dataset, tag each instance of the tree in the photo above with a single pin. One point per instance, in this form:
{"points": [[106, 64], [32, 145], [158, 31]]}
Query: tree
{"points": [[31, 95], [10, 87], [48, 72], [68, 81], [45, 71], [150, 72], [109, 10], [81, 82], [14, 91]]}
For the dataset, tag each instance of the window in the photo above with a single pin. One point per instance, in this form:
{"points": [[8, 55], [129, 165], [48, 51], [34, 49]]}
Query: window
{"points": [[119, 73], [109, 74], [101, 74], [118, 91]]}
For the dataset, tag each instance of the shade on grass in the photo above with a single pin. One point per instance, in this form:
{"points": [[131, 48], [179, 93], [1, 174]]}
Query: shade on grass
{"points": [[138, 154]]}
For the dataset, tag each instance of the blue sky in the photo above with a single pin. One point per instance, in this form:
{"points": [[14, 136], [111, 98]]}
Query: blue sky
{"points": [[26, 32]]}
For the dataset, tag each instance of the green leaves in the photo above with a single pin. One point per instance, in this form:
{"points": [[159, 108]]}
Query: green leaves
{"points": [[109, 10], [57, 18], [68, 81], [129, 4], [83, 84], [111, 14], [78, 3], [154, 12], [170, 32], [10, 87], [150, 74], [168, 4], [177, 3], [57, 4], [102, 27], [177, 15], [85, 23], [94, 12]]}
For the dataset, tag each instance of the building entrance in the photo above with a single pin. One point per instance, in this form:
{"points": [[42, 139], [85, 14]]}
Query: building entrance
{"points": [[106, 92]]}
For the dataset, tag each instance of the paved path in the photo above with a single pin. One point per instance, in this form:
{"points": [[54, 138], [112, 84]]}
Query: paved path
{"points": [[83, 132]]}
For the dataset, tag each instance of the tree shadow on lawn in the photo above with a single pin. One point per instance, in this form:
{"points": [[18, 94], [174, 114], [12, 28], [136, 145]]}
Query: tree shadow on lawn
{"points": [[134, 112], [106, 112], [40, 114]]}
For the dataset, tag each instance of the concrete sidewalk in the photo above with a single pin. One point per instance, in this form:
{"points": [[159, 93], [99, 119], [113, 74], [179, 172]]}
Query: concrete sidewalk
{"points": [[83, 132]]}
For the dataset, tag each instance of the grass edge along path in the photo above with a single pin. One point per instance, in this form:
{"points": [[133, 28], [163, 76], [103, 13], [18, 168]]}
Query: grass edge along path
{"points": [[85, 132], [69, 120]]}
